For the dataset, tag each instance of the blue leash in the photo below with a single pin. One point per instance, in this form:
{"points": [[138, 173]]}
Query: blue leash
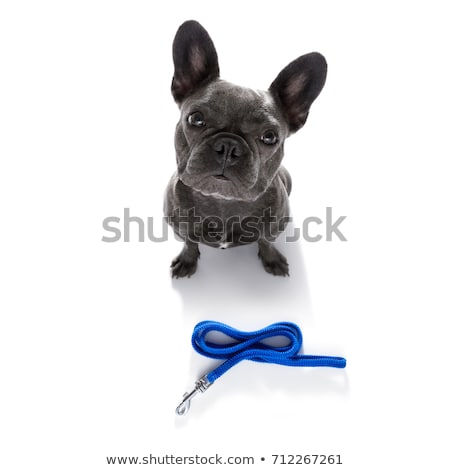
{"points": [[250, 346]]}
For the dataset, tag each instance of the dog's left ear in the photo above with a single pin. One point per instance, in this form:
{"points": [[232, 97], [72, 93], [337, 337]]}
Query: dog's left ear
{"points": [[298, 85], [194, 58]]}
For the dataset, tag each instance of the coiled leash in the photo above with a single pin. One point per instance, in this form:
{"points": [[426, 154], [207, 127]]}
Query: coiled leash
{"points": [[250, 346]]}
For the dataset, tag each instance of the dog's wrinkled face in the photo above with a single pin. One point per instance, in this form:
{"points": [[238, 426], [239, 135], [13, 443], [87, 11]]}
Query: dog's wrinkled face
{"points": [[229, 141]]}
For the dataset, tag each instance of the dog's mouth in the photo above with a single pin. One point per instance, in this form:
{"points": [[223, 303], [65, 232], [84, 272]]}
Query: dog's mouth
{"points": [[234, 178], [221, 177]]}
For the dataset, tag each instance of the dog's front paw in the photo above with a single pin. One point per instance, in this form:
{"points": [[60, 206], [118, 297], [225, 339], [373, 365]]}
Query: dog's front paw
{"points": [[185, 264], [183, 268], [273, 261]]}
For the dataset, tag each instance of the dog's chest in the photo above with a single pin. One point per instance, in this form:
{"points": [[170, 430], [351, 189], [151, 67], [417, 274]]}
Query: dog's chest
{"points": [[224, 223]]}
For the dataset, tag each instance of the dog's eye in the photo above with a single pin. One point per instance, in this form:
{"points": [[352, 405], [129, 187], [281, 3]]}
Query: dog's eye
{"points": [[196, 119], [269, 138]]}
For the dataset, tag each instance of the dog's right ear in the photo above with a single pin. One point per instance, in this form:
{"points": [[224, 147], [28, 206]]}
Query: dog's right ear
{"points": [[194, 58], [298, 85]]}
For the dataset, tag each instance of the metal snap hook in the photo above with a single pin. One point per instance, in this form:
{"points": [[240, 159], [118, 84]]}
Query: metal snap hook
{"points": [[201, 385], [184, 406]]}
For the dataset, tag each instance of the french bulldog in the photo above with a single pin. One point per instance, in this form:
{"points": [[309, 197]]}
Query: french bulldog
{"points": [[230, 187]]}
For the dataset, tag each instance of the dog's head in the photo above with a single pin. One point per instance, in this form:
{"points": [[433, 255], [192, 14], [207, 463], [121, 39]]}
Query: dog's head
{"points": [[229, 140]]}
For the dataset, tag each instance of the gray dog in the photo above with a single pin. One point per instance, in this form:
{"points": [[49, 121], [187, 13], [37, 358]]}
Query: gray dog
{"points": [[229, 187]]}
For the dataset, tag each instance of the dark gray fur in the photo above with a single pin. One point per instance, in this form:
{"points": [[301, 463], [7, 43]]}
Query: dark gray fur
{"points": [[225, 172]]}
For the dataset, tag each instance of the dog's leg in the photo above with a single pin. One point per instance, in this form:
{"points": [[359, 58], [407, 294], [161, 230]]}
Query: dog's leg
{"points": [[185, 264], [273, 261]]}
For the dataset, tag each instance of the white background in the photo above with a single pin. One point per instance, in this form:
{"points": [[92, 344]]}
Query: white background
{"points": [[95, 337]]}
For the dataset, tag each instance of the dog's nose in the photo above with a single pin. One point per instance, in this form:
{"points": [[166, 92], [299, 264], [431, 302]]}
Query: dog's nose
{"points": [[228, 150]]}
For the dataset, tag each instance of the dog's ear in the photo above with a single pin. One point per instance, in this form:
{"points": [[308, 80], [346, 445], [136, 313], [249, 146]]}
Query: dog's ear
{"points": [[298, 85], [194, 58]]}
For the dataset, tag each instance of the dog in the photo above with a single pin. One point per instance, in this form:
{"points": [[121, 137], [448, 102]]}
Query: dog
{"points": [[230, 187]]}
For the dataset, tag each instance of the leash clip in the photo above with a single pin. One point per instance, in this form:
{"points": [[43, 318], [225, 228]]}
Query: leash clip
{"points": [[201, 385]]}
